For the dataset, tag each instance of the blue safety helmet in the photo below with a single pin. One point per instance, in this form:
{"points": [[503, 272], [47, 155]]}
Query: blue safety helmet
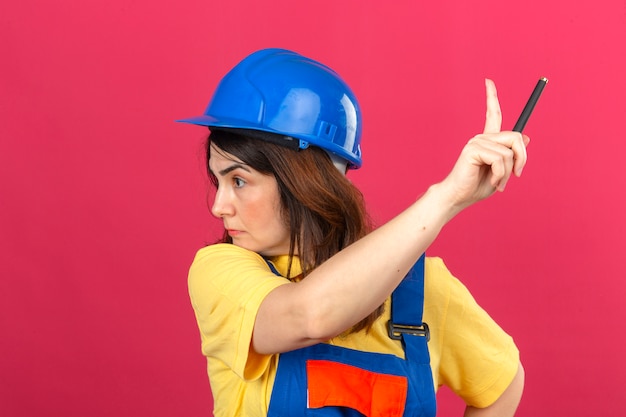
{"points": [[292, 97]]}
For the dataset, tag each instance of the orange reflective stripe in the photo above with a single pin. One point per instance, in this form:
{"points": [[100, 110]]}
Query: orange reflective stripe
{"points": [[372, 394]]}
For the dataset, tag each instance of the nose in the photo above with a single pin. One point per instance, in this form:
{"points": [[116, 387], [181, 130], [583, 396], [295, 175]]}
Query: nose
{"points": [[222, 205]]}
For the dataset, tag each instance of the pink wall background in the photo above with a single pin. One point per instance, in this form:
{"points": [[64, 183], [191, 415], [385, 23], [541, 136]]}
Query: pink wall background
{"points": [[103, 202]]}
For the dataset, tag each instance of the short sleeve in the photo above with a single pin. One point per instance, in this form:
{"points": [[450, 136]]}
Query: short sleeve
{"points": [[478, 359], [227, 285]]}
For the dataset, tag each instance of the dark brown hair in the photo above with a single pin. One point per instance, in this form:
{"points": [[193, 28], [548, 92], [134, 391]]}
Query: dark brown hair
{"points": [[323, 210]]}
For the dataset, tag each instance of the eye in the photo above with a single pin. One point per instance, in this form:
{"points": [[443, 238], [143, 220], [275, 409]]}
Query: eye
{"points": [[238, 182]]}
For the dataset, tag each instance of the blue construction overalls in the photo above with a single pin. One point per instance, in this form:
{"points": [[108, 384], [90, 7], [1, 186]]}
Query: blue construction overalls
{"points": [[325, 380]]}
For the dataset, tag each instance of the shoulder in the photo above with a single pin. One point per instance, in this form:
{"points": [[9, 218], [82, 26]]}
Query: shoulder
{"points": [[440, 282], [225, 252], [445, 296], [434, 266], [229, 269], [223, 257]]}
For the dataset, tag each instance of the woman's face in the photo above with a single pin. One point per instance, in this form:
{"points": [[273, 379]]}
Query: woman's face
{"points": [[248, 203]]}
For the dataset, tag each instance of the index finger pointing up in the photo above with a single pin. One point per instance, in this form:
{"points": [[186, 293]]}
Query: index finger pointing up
{"points": [[493, 118]]}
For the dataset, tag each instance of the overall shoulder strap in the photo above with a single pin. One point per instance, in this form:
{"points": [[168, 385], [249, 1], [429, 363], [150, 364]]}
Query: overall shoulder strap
{"points": [[272, 267], [407, 304]]}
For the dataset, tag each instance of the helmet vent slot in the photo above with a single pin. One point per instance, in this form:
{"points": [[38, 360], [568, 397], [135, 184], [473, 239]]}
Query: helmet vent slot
{"points": [[327, 130]]}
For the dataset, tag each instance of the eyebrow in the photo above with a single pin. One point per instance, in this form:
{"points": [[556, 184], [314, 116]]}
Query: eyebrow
{"points": [[232, 168]]}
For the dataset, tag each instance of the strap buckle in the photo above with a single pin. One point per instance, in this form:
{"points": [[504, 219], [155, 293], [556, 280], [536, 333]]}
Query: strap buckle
{"points": [[395, 331]]}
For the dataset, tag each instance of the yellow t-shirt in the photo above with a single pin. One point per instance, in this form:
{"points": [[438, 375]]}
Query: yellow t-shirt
{"points": [[469, 352]]}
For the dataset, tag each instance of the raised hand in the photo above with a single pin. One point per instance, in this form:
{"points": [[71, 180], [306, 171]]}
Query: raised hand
{"points": [[488, 160]]}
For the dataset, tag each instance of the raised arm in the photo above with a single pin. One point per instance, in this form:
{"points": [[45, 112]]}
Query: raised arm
{"points": [[351, 284]]}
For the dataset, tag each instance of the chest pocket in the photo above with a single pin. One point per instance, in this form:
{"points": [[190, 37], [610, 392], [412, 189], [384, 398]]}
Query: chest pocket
{"points": [[370, 393]]}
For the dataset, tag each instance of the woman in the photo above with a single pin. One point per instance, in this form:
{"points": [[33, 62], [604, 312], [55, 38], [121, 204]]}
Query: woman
{"points": [[295, 305]]}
